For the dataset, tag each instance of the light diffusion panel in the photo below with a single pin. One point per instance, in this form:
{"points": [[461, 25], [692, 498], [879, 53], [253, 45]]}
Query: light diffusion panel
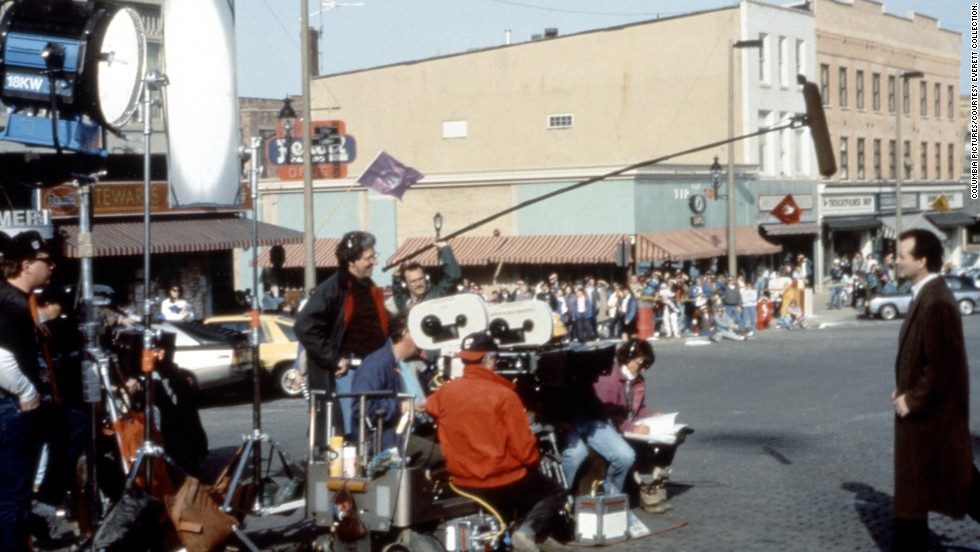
{"points": [[201, 102]]}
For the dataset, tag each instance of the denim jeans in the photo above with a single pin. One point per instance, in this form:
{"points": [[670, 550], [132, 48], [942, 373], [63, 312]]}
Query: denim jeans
{"points": [[606, 441], [836, 291], [344, 384], [748, 318], [19, 452]]}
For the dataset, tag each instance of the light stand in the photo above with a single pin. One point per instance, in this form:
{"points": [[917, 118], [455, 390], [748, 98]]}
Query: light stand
{"points": [[96, 360], [154, 81], [252, 448]]}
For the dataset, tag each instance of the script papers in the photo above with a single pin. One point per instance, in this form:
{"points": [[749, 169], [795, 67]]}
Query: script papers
{"points": [[663, 429]]}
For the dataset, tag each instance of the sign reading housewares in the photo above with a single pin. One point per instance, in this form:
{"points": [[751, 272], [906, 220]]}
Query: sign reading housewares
{"points": [[121, 198]]}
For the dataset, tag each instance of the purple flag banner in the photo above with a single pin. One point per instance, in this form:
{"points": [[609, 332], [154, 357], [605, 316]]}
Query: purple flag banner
{"points": [[387, 175]]}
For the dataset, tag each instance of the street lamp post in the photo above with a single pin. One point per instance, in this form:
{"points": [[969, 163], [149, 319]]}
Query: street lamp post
{"points": [[437, 224], [732, 46], [715, 169], [900, 151], [309, 271]]}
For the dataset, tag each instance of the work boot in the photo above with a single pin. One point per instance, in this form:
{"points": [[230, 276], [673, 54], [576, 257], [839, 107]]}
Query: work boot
{"points": [[661, 476], [651, 500]]}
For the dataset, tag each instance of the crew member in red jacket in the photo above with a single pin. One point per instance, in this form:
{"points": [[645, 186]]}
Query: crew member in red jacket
{"points": [[489, 447]]}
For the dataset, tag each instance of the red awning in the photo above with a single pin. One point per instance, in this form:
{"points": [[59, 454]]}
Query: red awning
{"points": [[700, 243], [324, 253], [468, 250], [176, 236], [549, 250]]}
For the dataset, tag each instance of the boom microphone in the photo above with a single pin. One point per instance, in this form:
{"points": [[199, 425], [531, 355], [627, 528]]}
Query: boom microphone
{"points": [[818, 127]]}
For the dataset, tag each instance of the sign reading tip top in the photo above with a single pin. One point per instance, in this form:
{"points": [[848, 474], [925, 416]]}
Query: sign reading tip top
{"points": [[331, 151]]}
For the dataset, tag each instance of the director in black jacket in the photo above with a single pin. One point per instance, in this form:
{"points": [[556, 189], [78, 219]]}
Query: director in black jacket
{"points": [[343, 321]]}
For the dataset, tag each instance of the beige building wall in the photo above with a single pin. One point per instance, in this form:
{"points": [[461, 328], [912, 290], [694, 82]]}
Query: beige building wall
{"points": [[859, 36], [634, 92]]}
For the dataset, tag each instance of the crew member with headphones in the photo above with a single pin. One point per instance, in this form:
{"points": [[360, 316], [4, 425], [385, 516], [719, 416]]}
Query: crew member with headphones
{"points": [[343, 321]]}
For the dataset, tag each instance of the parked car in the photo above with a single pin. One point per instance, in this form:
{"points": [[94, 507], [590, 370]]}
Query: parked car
{"points": [[890, 306], [277, 348], [209, 357], [970, 263]]}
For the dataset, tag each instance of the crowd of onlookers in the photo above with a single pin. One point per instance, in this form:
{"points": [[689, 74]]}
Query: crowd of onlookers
{"points": [[675, 302]]}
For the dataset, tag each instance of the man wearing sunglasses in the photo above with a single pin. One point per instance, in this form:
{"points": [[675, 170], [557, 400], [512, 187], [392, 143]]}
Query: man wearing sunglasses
{"points": [[27, 265]]}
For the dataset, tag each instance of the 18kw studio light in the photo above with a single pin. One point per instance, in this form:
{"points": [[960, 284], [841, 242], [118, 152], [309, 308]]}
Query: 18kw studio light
{"points": [[69, 69]]}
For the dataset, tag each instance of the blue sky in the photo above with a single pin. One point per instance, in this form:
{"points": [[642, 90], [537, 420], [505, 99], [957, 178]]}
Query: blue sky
{"points": [[380, 32]]}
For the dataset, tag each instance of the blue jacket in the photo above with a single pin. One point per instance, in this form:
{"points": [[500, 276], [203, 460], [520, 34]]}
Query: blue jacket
{"points": [[378, 372]]}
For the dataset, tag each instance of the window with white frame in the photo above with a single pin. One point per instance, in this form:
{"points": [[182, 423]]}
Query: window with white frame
{"points": [[765, 166], [842, 86], [801, 58], [859, 89], [825, 83], [876, 92], [783, 61], [860, 159], [560, 121], [764, 75], [785, 149], [843, 159], [876, 158]]}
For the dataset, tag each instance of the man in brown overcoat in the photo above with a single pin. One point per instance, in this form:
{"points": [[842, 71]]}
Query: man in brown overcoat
{"points": [[933, 457]]}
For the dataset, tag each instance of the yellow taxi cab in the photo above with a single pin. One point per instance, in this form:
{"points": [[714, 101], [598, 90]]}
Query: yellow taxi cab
{"points": [[277, 348]]}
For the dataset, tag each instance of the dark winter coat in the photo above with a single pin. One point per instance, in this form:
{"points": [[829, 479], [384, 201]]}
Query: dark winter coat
{"points": [[933, 456]]}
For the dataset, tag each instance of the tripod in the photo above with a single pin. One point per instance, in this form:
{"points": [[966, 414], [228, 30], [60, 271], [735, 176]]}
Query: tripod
{"points": [[251, 451]]}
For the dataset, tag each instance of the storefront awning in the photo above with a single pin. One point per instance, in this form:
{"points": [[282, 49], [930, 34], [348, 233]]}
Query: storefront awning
{"points": [[700, 243], [798, 229], [578, 249], [548, 250], [854, 224], [176, 236], [951, 219], [468, 250], [324, 254], [909, 222]]}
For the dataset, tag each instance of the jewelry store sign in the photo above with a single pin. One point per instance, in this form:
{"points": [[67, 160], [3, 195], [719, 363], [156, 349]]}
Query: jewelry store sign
{"points": [[848, 205]]}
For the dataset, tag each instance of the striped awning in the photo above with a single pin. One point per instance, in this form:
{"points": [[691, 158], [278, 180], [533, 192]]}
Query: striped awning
{"points": [[468, 250], [908, 222], [548, 250], [951, 219], [176, 236], [324, 253], [578, 249], [700, 243]]}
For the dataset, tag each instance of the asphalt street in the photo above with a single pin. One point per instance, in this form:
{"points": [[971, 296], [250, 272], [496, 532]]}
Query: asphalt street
{"points": [[792, 447]]}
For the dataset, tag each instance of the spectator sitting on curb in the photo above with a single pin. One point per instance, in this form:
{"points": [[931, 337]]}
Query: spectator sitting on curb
{"points": [[793, 319], [725, 327]]}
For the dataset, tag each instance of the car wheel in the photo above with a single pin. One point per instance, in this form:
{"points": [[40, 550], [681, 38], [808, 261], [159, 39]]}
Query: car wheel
{"points": [[966, 307], [888, 312], [288, 380]]}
